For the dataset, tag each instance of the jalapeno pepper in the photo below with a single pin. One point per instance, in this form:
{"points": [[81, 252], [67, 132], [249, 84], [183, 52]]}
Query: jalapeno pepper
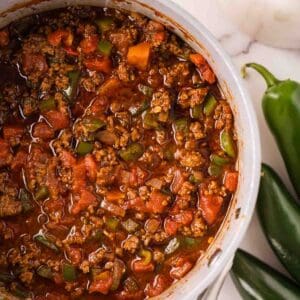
{"points": [[279, 215], [256, 280], [281, 106]]}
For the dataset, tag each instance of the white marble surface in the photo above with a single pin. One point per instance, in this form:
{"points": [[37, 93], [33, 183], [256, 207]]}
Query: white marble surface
{"points": [[283, 63]]}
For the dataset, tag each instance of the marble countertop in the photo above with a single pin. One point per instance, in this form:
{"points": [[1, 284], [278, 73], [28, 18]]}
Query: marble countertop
{"points": [[284, 63]]}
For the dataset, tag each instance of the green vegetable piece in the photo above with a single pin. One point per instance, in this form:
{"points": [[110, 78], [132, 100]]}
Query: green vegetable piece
{"points": [[42, 193], [150, 120], [93, 125], [227, 143], [46, 242], [112, 223], [25, 198], [146, 255], [215, 170], [84, 148], [133, 152], [209, 105], [196, 112], [137, 110], [19, 291], [129, 225], [71, 91], [105, 23], [45, 272], [172, 246], [6, 277], [69, 272], [146, 90], [219, 160], [181, 125], [190, 242], [256, 280], [105, 47], [279, 215], [196, 177], [281, 109], [48, 104], [118, 271]]}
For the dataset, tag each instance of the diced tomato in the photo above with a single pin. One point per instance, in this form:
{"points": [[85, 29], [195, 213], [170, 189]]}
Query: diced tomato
{"points": [[74, 254], [43, 131], [157, 286], [103, 284], [79, 176], [82, 101], [177, 182], [137, 176], [114, 196], [231, 181], [19, 160], [91, 167], [136, 204], [139, 55], [99, 64], [56, 37], [67, 159], [4, 38], [4, 152], [138, 266], [170, 226], [58, 279], [70, 51], [159, 36], [85, 200], [184, 218], [99, 105], [157, 202], [210, 206], [127, 295], [89, 44], [12, 131], [56, 204], [180, 268], [57, 119], [203, 67]]}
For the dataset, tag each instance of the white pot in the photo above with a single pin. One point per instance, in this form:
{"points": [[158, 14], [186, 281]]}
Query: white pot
{"points": [[242, 206]]}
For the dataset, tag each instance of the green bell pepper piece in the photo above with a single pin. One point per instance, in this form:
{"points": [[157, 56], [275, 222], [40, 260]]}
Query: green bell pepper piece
{"points": [[48, 104], [84, 148], [133, 152], [227, 143], [104, 23], [105, 47], [209, 105], [69, 272], [46, 242], [42, 193]]}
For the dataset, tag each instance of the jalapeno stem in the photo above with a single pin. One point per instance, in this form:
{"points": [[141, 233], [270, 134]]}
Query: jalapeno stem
{"points": [[270, 79]]}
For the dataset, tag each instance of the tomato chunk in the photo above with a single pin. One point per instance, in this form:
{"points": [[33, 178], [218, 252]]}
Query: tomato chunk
{"points": [[231, 181], [138, 266], [67, 159], [56, 37], [171, 227], [4, 152], [99, 64], [203, 67], [91, 167], [4, 38], [85, 200], [89, 44], [180, 268], [210, 206], [12, 131], [157, 202], [43, 131], [57, 119], [157, 286], [19, 160]]}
